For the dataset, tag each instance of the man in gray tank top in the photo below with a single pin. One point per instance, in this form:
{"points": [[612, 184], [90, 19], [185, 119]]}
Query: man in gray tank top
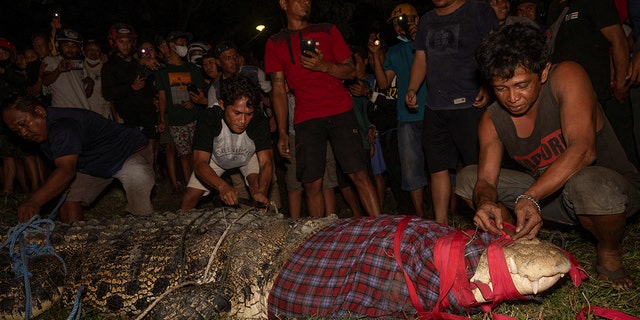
{"points": [[548, 121]]}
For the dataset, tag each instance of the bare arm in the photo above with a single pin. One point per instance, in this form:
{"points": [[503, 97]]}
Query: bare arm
{"points": [[281, 109], [384, 78], [578, 119], [259, 186], [58, 180], [418, 72], [209, 177], [162, 107], [316, 62], [485, 193], [620, 56]]}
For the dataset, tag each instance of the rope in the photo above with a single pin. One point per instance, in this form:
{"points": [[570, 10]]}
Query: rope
{"points": [[16, 236], [76, 312]]}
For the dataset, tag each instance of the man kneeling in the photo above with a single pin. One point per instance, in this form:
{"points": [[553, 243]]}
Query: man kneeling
{"points": [[548, 120], [236, 135]]}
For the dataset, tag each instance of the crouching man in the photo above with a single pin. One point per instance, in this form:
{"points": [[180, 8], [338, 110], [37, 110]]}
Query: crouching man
{"points": [[235, 135], [548, 120], [88, 151]]}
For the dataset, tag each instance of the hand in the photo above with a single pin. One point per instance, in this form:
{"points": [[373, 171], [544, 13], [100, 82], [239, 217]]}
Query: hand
{"points": [[260, 197], [138, 83], [621, 93], [273, 126], [199, 97], [63, 66], [371, 44], [228, 195], [161, 126], [482, 98], [528, 218], [358, 89], [89, 84], [151, 63], [27, 210], [314, 61], [283, 146], [488, 212], [635, 69], [410, 99], [188, 105], [413, 28]]}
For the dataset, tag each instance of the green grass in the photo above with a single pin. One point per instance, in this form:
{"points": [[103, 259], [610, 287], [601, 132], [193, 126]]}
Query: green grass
{"points": [[562, 302]]}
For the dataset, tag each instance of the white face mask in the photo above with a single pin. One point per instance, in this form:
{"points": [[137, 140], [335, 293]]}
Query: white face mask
{"points": [[92, 61], [181, 51]]}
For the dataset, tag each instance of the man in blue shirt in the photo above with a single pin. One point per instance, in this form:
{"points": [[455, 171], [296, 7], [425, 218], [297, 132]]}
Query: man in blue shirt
{"points": [[88, 151]]}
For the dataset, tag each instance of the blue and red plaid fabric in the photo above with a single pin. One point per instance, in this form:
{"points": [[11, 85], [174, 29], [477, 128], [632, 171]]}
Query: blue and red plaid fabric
{"points": [[348, 270]]}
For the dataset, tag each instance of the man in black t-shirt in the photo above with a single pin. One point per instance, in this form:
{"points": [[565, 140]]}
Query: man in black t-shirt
{"points": [[88, 151], [236, 135]]}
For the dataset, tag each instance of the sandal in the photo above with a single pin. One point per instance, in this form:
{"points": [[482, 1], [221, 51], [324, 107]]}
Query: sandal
{"points": [[613, 276]]}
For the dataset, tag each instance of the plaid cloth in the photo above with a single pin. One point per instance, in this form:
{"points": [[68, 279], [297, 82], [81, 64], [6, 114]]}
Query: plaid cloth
{"points": [[348, 270]]}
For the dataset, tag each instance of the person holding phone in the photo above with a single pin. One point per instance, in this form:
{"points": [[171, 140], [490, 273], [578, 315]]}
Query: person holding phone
{"points": [[123, 84], [396, 64], [314, 71]]}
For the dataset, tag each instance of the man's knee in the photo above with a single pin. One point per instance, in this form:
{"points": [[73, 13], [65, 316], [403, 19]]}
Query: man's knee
{"points": [[466, 180]]}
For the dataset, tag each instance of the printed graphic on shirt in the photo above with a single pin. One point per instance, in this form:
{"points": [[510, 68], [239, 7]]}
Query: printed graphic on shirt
{"points": [[178, 81], [550, 148], [443, 40], [232, 150]]}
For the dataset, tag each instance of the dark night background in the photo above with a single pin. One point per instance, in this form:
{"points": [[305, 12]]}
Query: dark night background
{"points": [[209, 20]]}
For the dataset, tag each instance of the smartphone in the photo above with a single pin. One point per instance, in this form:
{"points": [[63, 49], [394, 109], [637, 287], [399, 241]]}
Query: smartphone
{"points": [[403, 22], [192, 88], [56, 15], [307, 45]]}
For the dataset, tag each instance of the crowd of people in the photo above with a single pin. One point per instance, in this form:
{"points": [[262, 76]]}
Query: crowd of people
{"points": [[524, 108]]}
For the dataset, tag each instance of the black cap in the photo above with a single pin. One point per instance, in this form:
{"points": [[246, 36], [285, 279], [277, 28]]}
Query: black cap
{"points": [[179, 34], [222, 47]]}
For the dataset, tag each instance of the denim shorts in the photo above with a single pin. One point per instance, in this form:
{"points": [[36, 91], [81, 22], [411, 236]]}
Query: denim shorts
{"points": [[412, 165]]}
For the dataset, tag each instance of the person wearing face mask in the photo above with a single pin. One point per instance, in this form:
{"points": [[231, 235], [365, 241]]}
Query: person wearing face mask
{"points": [[177, 109], [93, 66], [397, 64], [195, 51]]}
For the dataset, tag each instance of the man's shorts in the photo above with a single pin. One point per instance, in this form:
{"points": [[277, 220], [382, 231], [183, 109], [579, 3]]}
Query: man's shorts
{"points": [[450, 135], [412, 163], [253, 166], [328, 180], [183, 137], [311, 145], [591, 191]]}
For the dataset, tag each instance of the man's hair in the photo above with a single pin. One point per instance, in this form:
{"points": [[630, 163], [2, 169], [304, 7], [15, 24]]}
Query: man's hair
{"points": [[511, 46], [21, 102], [237, 87]]}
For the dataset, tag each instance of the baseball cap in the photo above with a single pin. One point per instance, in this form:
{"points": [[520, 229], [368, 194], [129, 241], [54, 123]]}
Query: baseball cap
{"points": [[179, 34], [403, 8]]}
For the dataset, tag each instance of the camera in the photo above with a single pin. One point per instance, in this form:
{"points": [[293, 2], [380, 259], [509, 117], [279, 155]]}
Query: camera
{"points": [[74, 64], [307, 45], [403, 22]]}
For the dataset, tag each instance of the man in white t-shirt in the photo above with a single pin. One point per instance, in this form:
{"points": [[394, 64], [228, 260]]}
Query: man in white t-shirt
{"points": [[64, 74]]}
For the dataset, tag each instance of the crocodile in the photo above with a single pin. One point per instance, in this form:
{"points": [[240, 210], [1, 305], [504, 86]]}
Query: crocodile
{"points": [[222, 262]]}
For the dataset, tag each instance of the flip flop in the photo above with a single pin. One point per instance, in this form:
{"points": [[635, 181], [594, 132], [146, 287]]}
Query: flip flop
{"points": [[612, 276]]}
